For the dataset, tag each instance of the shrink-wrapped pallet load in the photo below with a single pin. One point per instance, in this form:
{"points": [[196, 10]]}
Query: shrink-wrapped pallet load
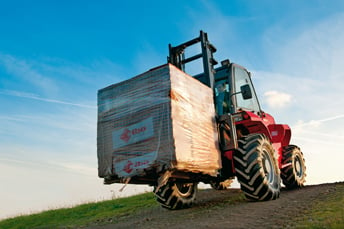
{"points": [[162, 119]]}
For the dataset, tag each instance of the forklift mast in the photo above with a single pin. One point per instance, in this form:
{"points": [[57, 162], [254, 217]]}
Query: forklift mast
{"points": [[227, 130], [178, 59]]}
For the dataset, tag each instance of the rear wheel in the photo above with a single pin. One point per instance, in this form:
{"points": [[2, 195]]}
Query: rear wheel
{"points": [[176, 195], [256, 168], [293, 170]]}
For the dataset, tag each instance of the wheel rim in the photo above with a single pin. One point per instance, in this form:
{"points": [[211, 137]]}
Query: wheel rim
{"points": [[298, 166], [184, 189], [268, 167]]}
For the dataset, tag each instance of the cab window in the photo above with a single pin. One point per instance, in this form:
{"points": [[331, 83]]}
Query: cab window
{"points": [[222, 97], [242, 78]]}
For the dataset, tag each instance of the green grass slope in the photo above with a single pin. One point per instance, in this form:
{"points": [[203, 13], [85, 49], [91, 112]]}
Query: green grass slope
{"points": [[326, 212], [85, 214]]}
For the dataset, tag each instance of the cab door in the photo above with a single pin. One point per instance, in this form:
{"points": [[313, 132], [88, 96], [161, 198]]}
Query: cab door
{"points": [[241, 77]]}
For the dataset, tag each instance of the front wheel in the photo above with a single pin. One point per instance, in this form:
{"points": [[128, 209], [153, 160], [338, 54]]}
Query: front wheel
{"points": [[293, 170], [176, 195], [256, 168]]}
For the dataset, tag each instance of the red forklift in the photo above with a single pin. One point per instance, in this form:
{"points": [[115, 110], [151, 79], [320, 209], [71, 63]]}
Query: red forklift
{"points": [[253, 147]]}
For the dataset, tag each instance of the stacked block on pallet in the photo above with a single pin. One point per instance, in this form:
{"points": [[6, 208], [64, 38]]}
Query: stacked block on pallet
{"points": [[161, 119]]}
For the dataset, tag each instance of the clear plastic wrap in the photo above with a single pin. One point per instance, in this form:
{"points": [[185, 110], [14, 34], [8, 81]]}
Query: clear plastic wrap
{"points": [[162, 119]]}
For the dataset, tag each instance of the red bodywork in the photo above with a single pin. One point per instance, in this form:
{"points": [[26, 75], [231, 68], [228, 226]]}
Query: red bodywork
{"points": [[249, 122]]}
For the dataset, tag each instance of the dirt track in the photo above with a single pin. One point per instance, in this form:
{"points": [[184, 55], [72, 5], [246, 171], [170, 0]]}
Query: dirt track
{"points": [[229, 209]]}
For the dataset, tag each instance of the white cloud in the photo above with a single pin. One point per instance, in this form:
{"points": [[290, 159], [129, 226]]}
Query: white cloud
{"points": [[36, 97], [69, 135], [58, 78], [67, 166], [98, 73], [77, 168], [277, 100], [315, 52], [321, 142], [26, 71], [321, 130]]}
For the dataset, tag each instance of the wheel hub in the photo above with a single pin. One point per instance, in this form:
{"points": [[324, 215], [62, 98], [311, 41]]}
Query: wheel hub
{"points": [[298, 167], [184, 189], [268, 167]]}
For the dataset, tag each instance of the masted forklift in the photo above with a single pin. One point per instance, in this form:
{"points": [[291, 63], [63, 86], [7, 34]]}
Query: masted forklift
{"points": [[254, 148]]}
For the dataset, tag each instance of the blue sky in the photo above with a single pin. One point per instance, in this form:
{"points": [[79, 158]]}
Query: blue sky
{"points": [[55, 55]]}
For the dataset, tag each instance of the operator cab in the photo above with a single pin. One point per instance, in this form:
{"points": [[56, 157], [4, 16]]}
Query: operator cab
{"points": [[234, 90]]}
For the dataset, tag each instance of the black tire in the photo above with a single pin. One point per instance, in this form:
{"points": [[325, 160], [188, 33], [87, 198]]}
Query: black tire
{"points": [[293, 172], [174, 195], [223, 185], [257, 168]]}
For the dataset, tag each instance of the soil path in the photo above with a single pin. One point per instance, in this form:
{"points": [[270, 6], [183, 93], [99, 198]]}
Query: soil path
{"points": [[229, 209]]}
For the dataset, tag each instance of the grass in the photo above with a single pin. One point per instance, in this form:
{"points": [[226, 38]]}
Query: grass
{"points": [[82, 215], [328, 213]]}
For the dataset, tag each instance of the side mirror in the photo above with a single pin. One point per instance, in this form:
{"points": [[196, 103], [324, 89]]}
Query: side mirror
{"points": [[246, 91]]}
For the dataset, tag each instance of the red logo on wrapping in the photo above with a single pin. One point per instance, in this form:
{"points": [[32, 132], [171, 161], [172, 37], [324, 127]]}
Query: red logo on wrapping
{"points": [[128, 168], [125, 136]]}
